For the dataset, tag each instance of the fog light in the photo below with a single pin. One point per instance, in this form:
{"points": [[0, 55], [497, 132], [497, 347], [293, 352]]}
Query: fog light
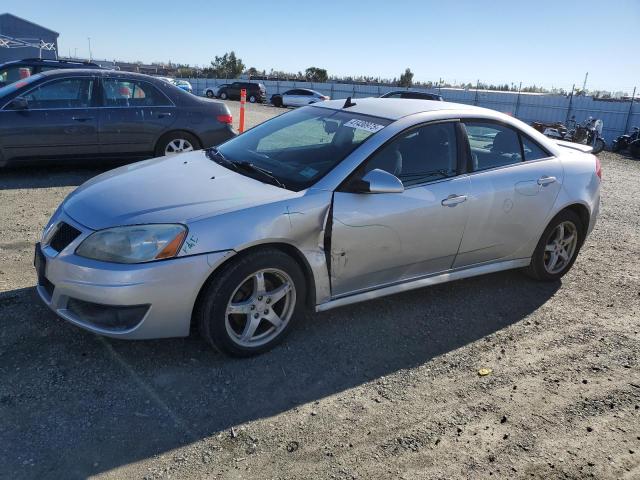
{"points": [[109, 317]]}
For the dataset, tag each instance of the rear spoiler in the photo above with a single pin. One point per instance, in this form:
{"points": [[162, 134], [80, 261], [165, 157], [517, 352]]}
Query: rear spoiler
{"points": [[575, 146]]}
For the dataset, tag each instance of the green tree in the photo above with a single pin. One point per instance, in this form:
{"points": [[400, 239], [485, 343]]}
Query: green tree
{"points": [[315, 74], [227, 66], [406, 79]]}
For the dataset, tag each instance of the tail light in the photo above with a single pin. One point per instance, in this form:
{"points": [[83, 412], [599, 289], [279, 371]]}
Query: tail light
{"points": [[225, 119], [598, 168], [326, 98]]}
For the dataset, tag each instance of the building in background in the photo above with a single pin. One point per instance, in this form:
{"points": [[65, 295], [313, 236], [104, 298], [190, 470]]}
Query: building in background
{"points": [[23, 37]]}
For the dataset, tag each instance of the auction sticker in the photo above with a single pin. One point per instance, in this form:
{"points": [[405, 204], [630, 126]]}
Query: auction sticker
{"points": [[363, 125]]}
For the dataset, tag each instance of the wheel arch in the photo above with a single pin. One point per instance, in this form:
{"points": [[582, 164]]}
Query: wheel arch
{"points": [[583, 213], [286, 248]]}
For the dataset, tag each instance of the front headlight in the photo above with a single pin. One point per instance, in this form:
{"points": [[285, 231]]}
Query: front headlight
{"points": [[134, 244]]}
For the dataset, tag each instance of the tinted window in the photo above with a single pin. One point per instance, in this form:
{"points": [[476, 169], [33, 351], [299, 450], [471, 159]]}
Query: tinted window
{"points": [[132, 93], [300, 147], [393, 95], [64, 93], [492, 145], [14, 73], [420, 155], [532, 151]]}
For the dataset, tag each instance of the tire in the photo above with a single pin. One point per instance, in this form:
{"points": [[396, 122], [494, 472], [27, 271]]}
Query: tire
{"points": [[252, 99], [223, 95], [209, 94], [542, 259], [244, 334], [598, 146], [616, 146], [173, 140], [634, 149], [277, 102]]}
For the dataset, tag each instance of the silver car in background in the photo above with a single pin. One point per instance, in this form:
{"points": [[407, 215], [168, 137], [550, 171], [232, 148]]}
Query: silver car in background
{"points": [[323, 206]]}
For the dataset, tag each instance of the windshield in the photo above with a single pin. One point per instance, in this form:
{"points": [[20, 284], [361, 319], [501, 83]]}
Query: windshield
{"points": [[300, 147], [12, 87]]}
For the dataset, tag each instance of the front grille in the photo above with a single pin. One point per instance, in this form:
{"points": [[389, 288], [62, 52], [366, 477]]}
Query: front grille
{"points": [[65, 234]]}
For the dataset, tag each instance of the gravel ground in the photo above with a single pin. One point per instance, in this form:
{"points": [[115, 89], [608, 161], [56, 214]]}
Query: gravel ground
{"points": [[385, 389]]}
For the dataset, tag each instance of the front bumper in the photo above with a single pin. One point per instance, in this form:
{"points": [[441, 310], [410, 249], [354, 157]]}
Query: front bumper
{"points": [[161, 293]]}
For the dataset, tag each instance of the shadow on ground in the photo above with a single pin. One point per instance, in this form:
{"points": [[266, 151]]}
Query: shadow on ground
{"points": [[73, 404]]}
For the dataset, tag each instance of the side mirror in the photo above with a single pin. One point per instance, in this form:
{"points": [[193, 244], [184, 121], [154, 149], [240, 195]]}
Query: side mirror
{"points": [[18, 103], [380, 181]]}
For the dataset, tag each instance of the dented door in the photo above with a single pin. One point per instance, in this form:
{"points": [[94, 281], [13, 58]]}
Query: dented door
{"points": [[378, 239]]}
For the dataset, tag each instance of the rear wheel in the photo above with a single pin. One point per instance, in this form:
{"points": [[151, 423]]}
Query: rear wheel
{"points": [[277, 102], [209, 94], [252, 99], [252, 304], [173, 143], [557, 248]]}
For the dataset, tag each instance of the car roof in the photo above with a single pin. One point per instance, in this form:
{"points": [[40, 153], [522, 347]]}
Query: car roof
{"points": [[101, 72], [395, 108]]}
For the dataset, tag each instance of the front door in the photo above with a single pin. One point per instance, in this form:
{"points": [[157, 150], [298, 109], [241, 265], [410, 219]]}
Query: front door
{"points": [[513, 188], [379, 239], [134, 115], [60, 121]]}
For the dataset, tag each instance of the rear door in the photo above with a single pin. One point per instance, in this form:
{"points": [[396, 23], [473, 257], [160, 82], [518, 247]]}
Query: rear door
{"points": [[514, 184], [60, 121], [291, 98], [134, 114]]}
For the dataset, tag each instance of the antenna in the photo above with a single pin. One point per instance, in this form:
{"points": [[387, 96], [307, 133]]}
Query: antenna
{"points": [[348, 103]]}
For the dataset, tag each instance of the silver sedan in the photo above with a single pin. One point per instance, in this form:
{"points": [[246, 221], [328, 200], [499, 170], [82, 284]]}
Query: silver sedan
{"points": [[324, 206]]}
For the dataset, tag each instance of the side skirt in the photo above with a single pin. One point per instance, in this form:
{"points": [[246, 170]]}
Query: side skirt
{"points": [[420, 282]]}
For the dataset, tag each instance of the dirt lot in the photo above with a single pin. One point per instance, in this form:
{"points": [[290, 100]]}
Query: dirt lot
{"points": [[385, 389]]}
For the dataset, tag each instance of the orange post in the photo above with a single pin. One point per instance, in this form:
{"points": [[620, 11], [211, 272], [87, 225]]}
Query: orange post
{"points": [[243, 99]]}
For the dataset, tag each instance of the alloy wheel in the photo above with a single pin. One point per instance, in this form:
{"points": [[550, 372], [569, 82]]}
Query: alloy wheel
{"points": [[178, 145], [260, 307], [560, 247]]}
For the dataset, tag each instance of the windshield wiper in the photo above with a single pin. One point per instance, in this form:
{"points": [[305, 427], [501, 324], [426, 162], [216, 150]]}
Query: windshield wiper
{"points": [[217, 156], [264, 172], [220, 158]]}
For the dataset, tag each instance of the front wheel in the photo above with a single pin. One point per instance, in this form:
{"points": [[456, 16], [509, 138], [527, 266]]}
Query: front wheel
{"points": [[252, 99], [251, 305], [598, 146], [557, 248], [223, 95], [209, 94]]}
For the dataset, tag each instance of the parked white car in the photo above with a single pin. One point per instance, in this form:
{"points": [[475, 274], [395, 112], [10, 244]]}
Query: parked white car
{"points": [[297, 97]]}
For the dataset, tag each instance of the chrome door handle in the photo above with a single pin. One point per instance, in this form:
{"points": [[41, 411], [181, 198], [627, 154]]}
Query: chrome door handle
{"points": [[453, 200], [164, 114], [81, 119], [545, 180]]}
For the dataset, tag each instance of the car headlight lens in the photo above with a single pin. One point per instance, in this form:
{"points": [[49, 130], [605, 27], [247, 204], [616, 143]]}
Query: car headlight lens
{"points": [[134, 244]]}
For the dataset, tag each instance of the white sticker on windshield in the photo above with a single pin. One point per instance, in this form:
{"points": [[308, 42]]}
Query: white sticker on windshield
{"points": [[363, 125]]}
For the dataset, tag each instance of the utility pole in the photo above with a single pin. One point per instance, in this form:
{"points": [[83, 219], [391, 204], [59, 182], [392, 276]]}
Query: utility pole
{"points": [[584, 85], [91, 56]]}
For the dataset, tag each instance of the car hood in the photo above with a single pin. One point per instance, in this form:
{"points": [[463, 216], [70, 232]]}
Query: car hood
{"points": [[176, 189]]}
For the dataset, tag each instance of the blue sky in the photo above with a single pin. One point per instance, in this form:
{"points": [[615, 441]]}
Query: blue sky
{"points": [[546, 42]]}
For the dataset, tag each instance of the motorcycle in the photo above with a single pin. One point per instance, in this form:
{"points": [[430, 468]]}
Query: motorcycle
{"points": [[629, 141], [588, 132]]}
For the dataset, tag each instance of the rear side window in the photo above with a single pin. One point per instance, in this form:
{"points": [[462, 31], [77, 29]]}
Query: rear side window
{"points": [[532, 151], [14, 73], [132, 93], [492, 145], [63, 93]]}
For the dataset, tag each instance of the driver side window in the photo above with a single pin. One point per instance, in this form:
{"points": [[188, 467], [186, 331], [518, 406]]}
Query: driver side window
{"points": [[420, 155]]}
